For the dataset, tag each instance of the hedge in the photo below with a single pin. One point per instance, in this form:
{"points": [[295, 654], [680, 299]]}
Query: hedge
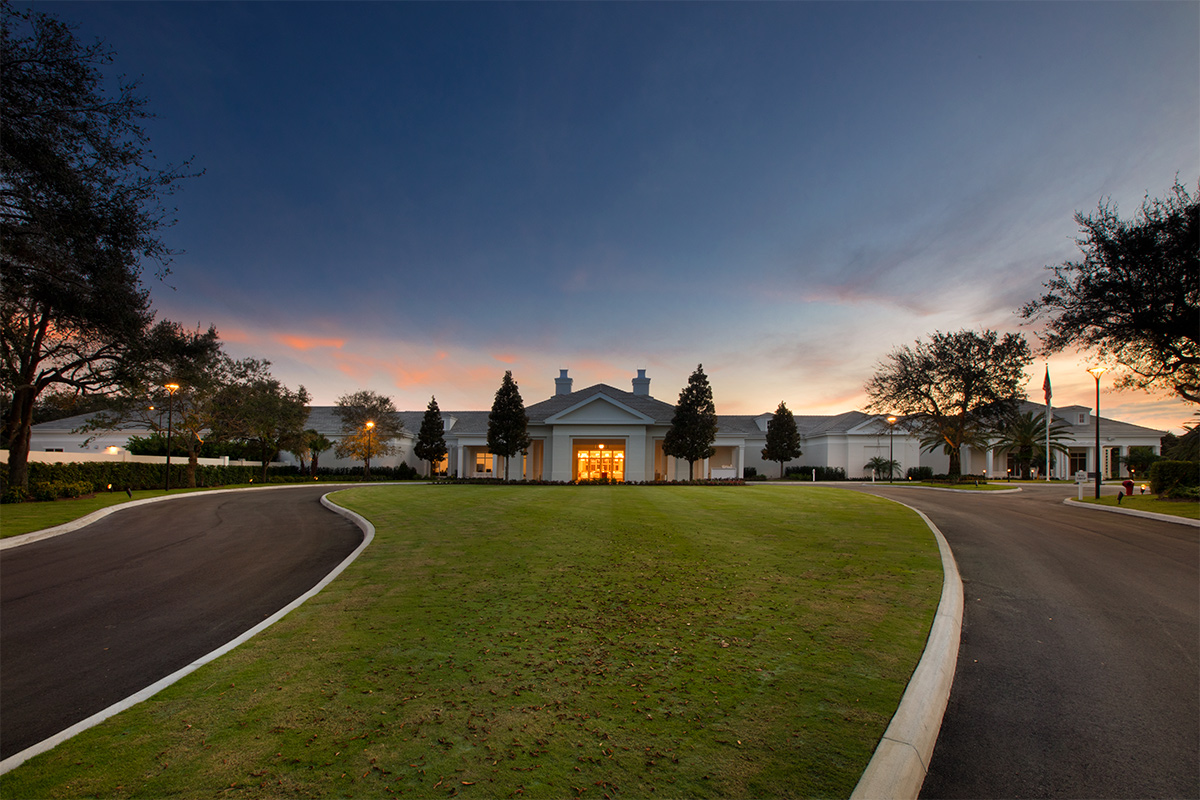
{"points": [[86, 477], [1174, 478]]}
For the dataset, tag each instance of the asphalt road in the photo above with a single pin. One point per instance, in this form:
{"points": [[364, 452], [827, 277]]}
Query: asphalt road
{"points": [[1079, 666], [90, 617]]}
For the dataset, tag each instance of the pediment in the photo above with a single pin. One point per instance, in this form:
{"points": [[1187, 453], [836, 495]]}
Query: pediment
{"points": [[599, 409]]}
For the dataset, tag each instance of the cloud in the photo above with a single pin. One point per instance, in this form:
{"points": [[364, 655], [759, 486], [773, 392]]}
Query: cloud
{"points": [[307, 342]]}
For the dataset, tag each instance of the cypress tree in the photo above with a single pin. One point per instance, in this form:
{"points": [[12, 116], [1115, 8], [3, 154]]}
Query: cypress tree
{"points": [[508, 425], [431, 439], [783, 440], [694, 425]]}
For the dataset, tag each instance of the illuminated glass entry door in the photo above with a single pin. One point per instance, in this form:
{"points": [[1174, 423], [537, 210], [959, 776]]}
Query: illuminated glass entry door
{"points": [[600, 460]]}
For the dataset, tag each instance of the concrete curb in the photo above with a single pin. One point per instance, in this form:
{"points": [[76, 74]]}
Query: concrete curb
{"points": [[984, 492], [368, 529], [901, 760], [1133, 512]]}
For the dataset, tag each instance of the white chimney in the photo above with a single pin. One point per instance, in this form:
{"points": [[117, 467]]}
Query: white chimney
{"points": [[641, 384], [562, 384]]}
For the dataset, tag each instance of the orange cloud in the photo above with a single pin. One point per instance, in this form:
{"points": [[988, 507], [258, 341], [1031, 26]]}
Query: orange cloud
{"points": [[307, 342]]}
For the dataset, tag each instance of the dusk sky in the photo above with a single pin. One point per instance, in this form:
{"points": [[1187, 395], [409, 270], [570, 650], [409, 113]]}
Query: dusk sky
{"points": [[414, 198]]}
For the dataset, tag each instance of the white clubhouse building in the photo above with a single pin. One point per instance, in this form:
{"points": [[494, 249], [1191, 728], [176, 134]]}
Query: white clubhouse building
{"points": [[601, 432]]}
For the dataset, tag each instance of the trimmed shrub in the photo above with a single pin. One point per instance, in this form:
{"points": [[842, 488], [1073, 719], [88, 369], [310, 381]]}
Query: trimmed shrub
{"points": [[919, 473], [823, 473], [1174, 479]]}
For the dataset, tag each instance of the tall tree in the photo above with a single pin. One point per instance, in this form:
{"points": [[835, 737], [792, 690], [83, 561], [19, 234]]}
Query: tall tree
{"points": [[953, 388], [370, 427], [694, 424], [80, 211], [1135, 295], [191, 360], [1024, 435], [508, 424], [265, 412], [783, 440], [431, 440]]}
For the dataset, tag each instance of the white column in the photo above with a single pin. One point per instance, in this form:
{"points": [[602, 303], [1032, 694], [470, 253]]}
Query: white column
{"points": [[741, 461]]}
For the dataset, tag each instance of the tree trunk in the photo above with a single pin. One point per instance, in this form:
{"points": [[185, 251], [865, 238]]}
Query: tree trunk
{"points": [[193, 462], [955, 462], [20, 420], [314, 464]]}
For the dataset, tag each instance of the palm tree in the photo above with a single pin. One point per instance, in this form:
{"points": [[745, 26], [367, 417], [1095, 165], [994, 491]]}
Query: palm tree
{"points": [[1024, 435], [317, 443], [880, 465]]}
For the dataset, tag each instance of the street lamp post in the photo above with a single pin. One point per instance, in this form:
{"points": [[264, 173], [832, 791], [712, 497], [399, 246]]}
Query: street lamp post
{"points": [[367, 460], [1096, 373], [891, 421], [171, 388]]}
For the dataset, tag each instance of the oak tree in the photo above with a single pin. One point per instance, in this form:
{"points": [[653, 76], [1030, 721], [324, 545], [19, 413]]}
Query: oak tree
{"points": [[1135, 294], [954, 389], [80, 212], [370, 427]]}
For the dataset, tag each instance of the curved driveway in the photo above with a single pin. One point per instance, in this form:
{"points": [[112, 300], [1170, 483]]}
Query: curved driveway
{"points": [[1078, 671], [90, 617]]}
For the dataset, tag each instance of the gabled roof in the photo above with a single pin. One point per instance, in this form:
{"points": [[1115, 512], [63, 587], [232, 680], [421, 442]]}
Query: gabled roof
{"points": [[643, 404]]}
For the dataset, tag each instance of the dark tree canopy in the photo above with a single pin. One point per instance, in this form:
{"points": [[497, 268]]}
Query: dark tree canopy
{"points": [[953, 389], [694, 424], [783, 440], [193, 361], [370, 425], [80, 210], [508, 424], [264, 411], [1135, 294], [431, 440]]}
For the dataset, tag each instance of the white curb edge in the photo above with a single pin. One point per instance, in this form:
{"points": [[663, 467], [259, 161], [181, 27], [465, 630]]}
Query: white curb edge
{"points": [[46, 744], [1133, 512], [901, 760]]}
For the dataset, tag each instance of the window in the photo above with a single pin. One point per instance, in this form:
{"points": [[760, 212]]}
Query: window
{"points": [[483, 463], [1078, 462]]}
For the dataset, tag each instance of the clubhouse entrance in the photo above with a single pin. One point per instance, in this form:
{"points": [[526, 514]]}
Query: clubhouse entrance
{"points": [[599, 459]]}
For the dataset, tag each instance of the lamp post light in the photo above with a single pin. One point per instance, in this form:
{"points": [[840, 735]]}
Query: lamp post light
{"points": [[367, 460], [171, 388], [1096, 373], [891, 421]]}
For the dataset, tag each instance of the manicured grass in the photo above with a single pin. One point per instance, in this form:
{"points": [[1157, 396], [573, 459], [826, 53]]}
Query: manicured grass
{"points": [[596, 642], [1149, 502]]}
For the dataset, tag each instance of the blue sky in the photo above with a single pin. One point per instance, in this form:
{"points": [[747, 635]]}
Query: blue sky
{"points": [[413, 198]]}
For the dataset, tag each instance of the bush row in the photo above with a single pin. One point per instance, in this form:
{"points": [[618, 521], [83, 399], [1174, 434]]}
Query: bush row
{"points": [[48, 479], [1175, 479]]}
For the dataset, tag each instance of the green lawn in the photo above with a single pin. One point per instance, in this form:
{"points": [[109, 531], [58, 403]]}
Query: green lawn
{"points": [[1149, 502], [553, 642]]}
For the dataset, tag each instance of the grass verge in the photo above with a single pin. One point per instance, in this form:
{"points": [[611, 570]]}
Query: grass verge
{"points": [[597, 642], [1148, 502]]}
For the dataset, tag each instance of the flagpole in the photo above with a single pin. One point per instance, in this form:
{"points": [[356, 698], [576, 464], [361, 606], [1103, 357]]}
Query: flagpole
{"points": [[1046, 386]]}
